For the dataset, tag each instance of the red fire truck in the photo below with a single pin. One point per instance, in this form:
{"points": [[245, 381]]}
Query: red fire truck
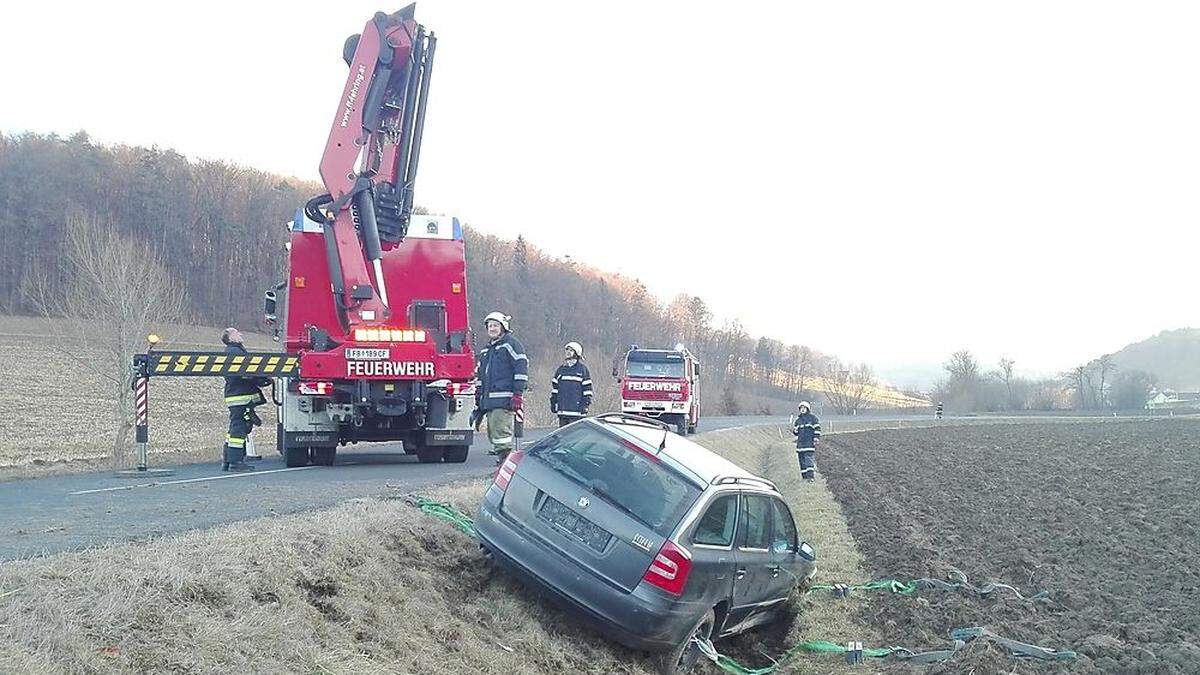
{"points": [[663, 384], [376, 297], [373, 312]]}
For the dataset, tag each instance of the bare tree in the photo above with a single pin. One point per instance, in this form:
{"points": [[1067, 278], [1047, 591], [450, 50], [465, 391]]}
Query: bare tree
{"points": [[1078, 380], [1104, 366], [111, 292], [799, 364], [1004, 374], [963, 385], [847, 385]]}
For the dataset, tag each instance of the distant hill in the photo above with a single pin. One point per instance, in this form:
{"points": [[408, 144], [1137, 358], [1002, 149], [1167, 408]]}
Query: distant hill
{"points": [[218, 229], [1172, 356]]}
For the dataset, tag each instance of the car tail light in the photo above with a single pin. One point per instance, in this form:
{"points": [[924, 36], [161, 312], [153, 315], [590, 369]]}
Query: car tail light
{"points": [[316, 388], [505, 473], [670, 568], [462, 388]]}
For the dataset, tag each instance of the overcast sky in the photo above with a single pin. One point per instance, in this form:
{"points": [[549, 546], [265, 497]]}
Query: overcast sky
{"points": [[888, 181]]}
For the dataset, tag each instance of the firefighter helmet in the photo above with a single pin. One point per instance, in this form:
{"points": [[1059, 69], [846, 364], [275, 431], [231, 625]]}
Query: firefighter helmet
{"points": [[575, 347], [803, 405], [499, 317]]}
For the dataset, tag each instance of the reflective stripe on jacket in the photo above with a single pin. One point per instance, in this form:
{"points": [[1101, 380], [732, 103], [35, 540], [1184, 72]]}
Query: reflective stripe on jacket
{"points": [[242, 390], [571, 389], [806, 429], [501, 371]]}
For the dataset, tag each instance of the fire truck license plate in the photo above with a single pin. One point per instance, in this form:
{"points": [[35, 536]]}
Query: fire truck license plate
{"points": [[361, 354]]}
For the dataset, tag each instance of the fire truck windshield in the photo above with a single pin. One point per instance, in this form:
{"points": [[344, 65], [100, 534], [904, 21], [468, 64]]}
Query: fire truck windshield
{"points": [[654, 365]]}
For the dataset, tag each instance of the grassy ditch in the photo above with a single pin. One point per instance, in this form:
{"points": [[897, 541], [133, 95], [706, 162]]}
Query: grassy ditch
{"points": [[369, 586]]}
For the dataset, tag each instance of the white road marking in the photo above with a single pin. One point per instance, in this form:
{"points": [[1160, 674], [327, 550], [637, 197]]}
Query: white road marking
{"points": [[248, 474]]}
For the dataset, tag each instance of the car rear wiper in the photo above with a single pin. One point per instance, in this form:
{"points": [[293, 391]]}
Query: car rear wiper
{"points": [[613, 502]]}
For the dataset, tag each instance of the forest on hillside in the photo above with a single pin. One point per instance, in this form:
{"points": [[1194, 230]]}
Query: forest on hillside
{"points": [[218, 230]]}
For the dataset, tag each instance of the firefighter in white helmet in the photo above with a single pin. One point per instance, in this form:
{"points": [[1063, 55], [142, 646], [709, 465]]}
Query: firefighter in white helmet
{"points": [[571, 388], [502, 373], [807, 430]]}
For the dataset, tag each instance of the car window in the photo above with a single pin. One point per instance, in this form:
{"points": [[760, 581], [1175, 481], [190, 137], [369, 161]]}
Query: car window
{"points": [[784, 538], [717, 524], [613, 469], [756, 522]]}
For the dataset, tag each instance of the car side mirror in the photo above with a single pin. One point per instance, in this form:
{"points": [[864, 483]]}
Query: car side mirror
{"points": [[270, 304], [806, 551]]}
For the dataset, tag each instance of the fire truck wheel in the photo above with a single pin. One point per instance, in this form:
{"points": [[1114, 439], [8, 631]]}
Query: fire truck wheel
{"points": [[295, 456], [324, 456], [430, 453], [681, 425], [457, 454]]}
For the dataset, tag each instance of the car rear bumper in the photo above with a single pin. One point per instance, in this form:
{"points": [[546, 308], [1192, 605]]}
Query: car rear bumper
{"points": [[646, 618]]}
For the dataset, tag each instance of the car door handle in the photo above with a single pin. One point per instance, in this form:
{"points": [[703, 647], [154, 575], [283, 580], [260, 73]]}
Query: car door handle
{"points": [[740, 574]]}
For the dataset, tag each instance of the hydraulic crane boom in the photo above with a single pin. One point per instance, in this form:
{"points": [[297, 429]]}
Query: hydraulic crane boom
{"points": [[370, 160]]}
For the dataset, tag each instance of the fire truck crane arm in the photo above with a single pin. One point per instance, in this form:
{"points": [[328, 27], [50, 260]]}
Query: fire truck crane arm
{"points": [[371, 156]]}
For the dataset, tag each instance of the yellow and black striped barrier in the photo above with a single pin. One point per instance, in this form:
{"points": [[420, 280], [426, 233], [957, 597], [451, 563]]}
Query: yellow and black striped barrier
{"points": [[217, 364]]}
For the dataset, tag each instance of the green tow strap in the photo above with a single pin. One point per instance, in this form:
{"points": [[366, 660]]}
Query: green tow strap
{"points": [[444, 511], [960, 636], [959, 582]]}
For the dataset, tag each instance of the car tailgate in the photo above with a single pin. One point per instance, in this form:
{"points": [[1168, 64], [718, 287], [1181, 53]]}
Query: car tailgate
{"points": [[580, 525]]}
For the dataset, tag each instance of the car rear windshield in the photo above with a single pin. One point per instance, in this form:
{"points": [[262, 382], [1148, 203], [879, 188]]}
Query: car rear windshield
{"points": [[613, 469]]}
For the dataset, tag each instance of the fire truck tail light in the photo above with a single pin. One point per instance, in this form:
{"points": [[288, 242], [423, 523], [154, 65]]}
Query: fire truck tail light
{"points": [[389, 335], [316, 388]]}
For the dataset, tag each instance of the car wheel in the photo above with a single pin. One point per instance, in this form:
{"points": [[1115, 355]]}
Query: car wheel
{"points": [[456, 454], [683, 657], [324, 456], [295, 456]]}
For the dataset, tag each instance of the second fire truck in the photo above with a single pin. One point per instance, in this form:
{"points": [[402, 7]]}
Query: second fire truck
{"points": [[663, 384]]}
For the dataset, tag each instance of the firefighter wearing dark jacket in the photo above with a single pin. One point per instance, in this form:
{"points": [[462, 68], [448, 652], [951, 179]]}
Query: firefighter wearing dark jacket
{"points": [[571, 388], [242, 394], [501, 374], [807, 430]]}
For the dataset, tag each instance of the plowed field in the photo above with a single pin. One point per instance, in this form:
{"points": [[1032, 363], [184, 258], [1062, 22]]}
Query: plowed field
{"points": [[1105, 516]]}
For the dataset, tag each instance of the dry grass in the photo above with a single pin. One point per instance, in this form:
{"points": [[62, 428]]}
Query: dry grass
{"points": [[768, 451], [368, 586], [65, 422]]}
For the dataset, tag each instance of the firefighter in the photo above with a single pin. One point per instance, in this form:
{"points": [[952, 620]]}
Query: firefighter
{"points": [[807, 430], [571, 388], [502, 373], [242, 394]]}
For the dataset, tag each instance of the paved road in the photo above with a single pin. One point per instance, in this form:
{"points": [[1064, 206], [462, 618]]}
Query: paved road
{"points": [[49, 515]]}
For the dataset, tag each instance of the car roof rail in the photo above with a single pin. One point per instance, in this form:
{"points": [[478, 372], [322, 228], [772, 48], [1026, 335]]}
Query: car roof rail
{"points": [[729, 480], [632, 419]]}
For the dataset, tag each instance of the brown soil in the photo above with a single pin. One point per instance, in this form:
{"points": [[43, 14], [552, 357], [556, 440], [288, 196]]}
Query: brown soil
{"points": [[1104, 516]]}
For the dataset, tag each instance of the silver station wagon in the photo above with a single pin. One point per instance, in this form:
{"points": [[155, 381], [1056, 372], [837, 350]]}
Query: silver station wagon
{"points": [[654, 539]]}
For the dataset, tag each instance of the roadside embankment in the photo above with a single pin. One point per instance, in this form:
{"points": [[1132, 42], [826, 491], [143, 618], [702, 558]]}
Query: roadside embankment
{"points": [[372, 585]]}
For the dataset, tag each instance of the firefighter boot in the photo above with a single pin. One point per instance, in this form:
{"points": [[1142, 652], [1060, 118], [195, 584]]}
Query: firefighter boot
{"points": [[225, 452], [238, 461]]}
